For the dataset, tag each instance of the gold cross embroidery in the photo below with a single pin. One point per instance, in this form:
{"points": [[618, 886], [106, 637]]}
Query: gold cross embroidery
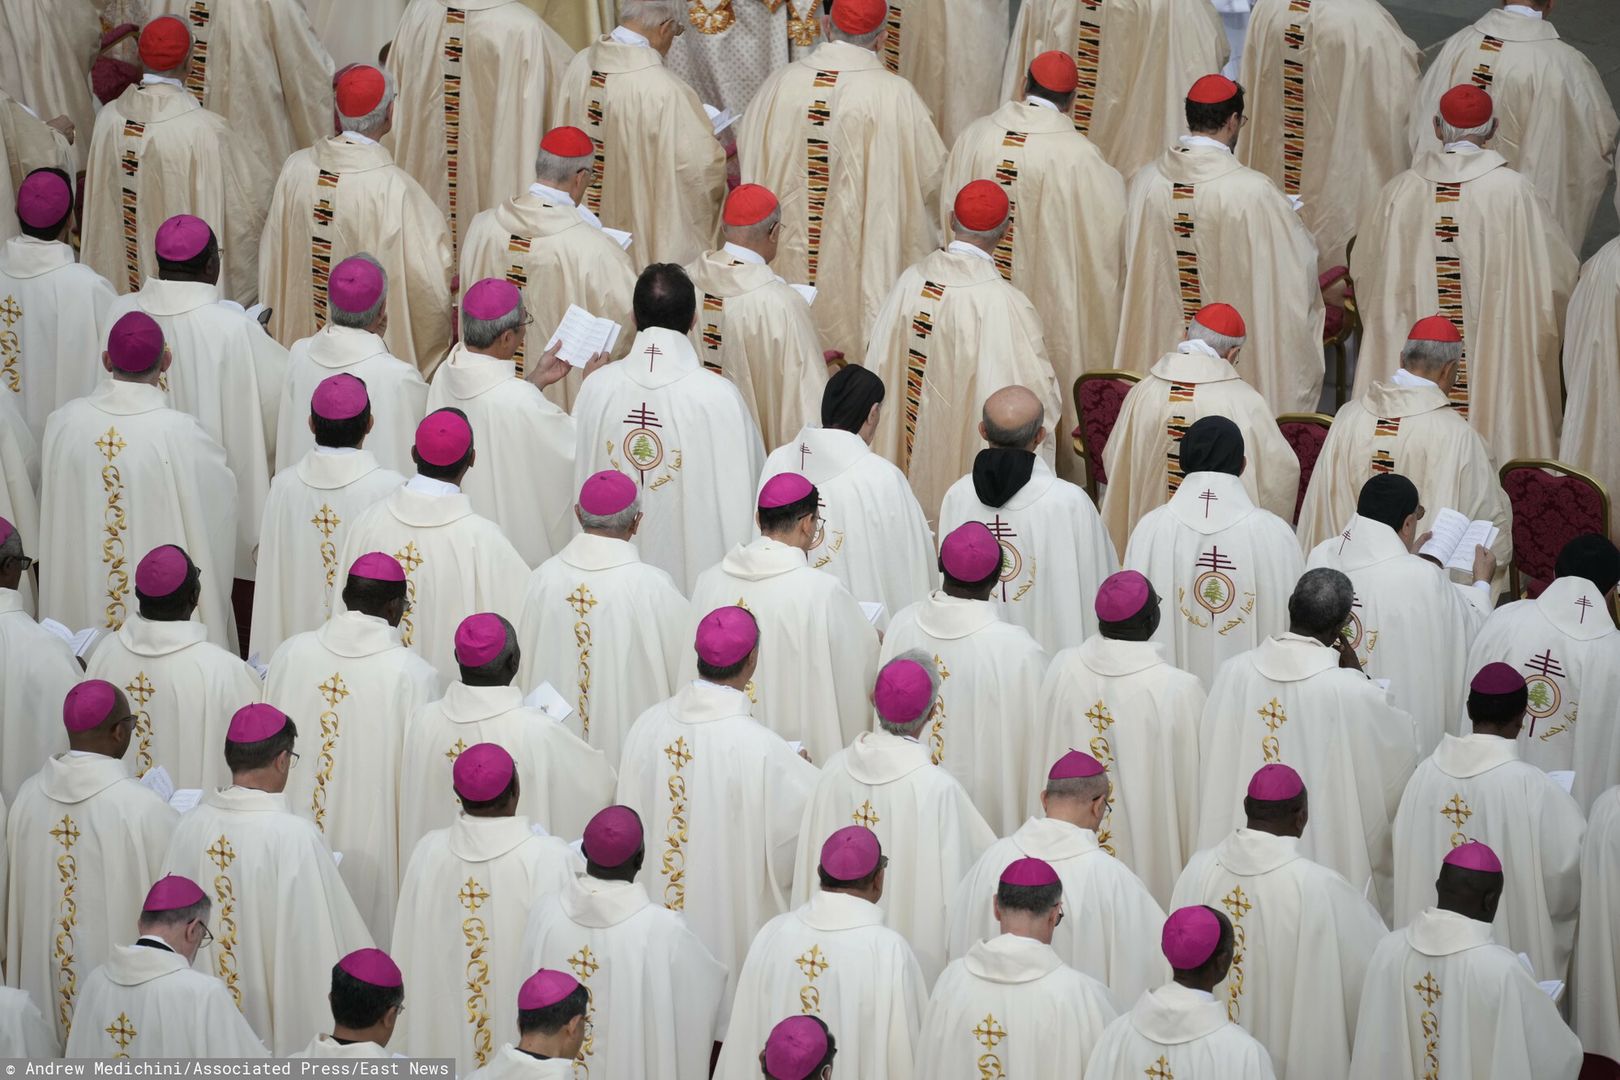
{"points": [[333, 690], [677, 753], [472, 895], [111, 444], [409, 557], [123, 1033], [1457, 810], [455, 751], [1236, 903], [9, 311], [1159, 1070], [812, 963], [866, 815], [67, 834], [1428, 989], [584, 964], [221, 854], [581, 601], [141, 689], [1100, 717], [989, 1033], [1273, 714], [326, 520]]}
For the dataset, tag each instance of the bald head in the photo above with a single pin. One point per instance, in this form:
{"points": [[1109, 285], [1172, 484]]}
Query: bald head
{"points": [[1013, 419]]}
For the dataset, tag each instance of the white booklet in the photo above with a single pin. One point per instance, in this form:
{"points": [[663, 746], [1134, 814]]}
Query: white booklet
{"points": [[82, 641], [720, 118], [873, 610], [619, 236], [583, 335], [545, 698], [159, 782], [1454, 539], [186, 798], [806, 291]]}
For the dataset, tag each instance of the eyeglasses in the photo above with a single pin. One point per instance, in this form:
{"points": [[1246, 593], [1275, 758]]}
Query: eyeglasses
{"points": [[292, 758], [207, 938], [25, 563]]}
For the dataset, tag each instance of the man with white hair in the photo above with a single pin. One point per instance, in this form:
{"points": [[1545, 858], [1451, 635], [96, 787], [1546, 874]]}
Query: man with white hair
{"points": [[660, 171], [626, 621], [754, 328], [1462, 233], [1405, 424], [344, 195], [852, 150], [951, 333], [1198, 378], [1558, 124], [551, 246], [1202, 227], [1066, 247], [477, 86]]}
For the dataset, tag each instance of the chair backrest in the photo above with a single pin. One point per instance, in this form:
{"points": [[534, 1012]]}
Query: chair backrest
{"points": [[1098, 396], [1305, 432], [1552, 503]]}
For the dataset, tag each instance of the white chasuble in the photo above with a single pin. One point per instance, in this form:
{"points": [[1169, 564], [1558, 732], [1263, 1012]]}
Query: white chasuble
{"points": [[723, 797], [340, 198], [817, 651], [307, 515], [37, 669], [463, 905], [1558, 125], [44, 49], [397, 394], [1127, 706], [851, 151], [924, 820], [756, 331], [559, 257], [1012, 1005], [1409, 624], [352, 684], [84, 838], [19, 489], [1223, 568], [30, 143], [458, 126], [54, 311], [1066, 247], [184, 690], [951, 333], [948, 52], [24, 1031], [227, 372], [1568, 650], [1302, 936], [1591, 335], [127, 475], [1442, 999], [562, 781], [1176, 1031], [1114, 932], [1289, 701], [522, 479], [595, 608], [1475, 788], [510, 1063], [260, 65], [1451, 235], [281, 916], [150, 1003], [323, 1046], [660, 171], [355, 33], [1595, 977], [1330, 86], [985, 727], [1203, 228], [874, 537], [456, 564], [832, 957], [1135, 64], [1143, 453], [1411, 430], [686, 438], [1054, 553], [655, 990], [156, 153]]}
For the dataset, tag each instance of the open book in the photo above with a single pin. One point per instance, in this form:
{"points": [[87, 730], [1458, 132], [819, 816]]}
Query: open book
{"points": [[583, 335], [1454, 540], [720, 118]]}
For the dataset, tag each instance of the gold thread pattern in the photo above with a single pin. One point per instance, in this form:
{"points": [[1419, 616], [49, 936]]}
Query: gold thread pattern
{"points": [[891, 42], [1430, 992], [866, 815], [113, 524], [476, 935], [707, 20], [584, 965], [582, 602], [197, 76], [130, 163], [123, 1033], [1237, 905], [10, 345], [1087, 62], [1293, 98], [593, 122], [990, 1034], [1159, 1070], [320, 245], [225, 938], [454, 19], [1275, 717], [1458, 812], [141, 691], [936, 729], [818, 172], [518, 247], [333, 691], [64, 949], [410, 559], [814, 965], [1102, 748], [326, 522], [1187, 275], [675, 831], [922, 328], [1448, 283]]}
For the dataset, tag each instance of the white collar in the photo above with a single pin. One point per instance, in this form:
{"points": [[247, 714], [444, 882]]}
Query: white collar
{"points": [[1204, 142], [1201, 995], [355, 136], [336, 451], [1402, 377], [1521, 9], [958, 247], [1041, 103], [742, 254], [625, 36], [1466, 147], [426, 485], [152, 80], [545, 191], [1190, 346]]}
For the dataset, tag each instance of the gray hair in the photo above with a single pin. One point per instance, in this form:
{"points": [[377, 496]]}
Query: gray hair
{"points": [[552, 170], [985, 240], [924, 660], [481, 333], [360, 320], [176, 916], [648, 12], [612, 523], [867, 40], [1084, 788], [1321, 601], [1430, 355], [1221, 343], [1015, 438], [761, 228], [373, 120], [1449, 134]]}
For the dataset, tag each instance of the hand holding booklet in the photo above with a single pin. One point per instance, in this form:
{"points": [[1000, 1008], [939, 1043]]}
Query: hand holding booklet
{"points": [[1454, 539], [583, 335]]}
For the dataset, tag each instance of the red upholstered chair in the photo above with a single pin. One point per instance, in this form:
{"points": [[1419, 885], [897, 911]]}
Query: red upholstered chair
{"points": [[1305, 432], [1343, 322], [1098, 396], [1553, 503]]}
